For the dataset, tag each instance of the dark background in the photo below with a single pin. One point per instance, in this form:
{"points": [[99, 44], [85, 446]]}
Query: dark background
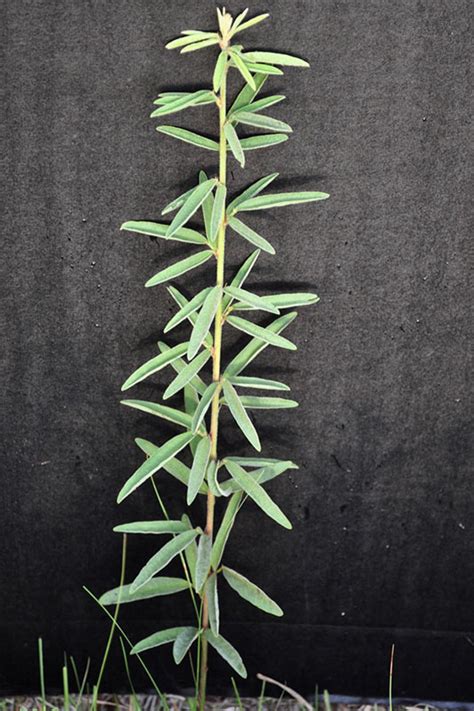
{"points": [[381, 550]]}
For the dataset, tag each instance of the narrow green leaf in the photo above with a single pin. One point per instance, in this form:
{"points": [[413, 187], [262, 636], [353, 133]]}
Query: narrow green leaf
{"points": [[198, 470], [258, 105], [199, 45], [234, 143], [247, 94], [167, 413], [219, 71], [192, 203], [286, 60], [206, 206], [182, 102], [187, 374], [190, 553], [225, 529], [265, 140], [173, 466], [154, 527], [263, 69], [251, 191], [154, 463], [251, 592], [204, 321], [191, 401], [249, 23], [179, 268], [289, 301], [182, 301], [196, 383], [177, 202], [153, 588], [213, 603], [248, 298], [264, 202], [164, 556], [260, 121], [183, 643], [218, 211], [190, 38], [243, 381], [189, 308], [266, 403], [250, 235], [241, 275], [243, 69], [258, 462], [203, 562], [156, 229], [252, 329], [256, 346], [194, 139], [227, 652], [261, 475], [240, 415], [157, 639], [256, 492], [155, 364], [238, 21], [214, 486], [203, 406]]}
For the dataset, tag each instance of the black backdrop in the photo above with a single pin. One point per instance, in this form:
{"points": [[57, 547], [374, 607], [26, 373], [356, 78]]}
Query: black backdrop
{"points": [[381, 550]]}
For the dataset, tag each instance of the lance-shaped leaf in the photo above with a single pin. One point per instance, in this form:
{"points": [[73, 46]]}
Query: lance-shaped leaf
{"points": [[187, 374], [264, 202], [250, 192], [153, 588], [265, 140], [177, 202], [262, 475], [183, 102], [188, 308], [225, 529], [190, 552], [192, 203], [157, 639], [284, 301], [247, 94], [198, 470], [240, 415], [260, 121], [190, 38], [248, 298], [204, 321], [244, 381], [213, 603], [263, 69], [155, 364], [179, 268], [219, 70], [249, 23], [174, 466], [250, 235], [257, 462], [214, 486], [183, 643], [206, 206], [164, 556], [203, 406], [259, 105], [182, 301], [241, 275], [203, 561], [195, 139], [196, 383], [153, 527], [256, 346], [166, 413], [285, 60], [266, 403], [265, 334], [199, 45], [156, 229], [234, 143], [256, 492], [227, 652], [251, 592], [151, 465], [218, 212], [243, 69]]}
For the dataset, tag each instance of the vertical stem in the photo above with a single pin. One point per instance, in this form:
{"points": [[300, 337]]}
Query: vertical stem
{"points": [[216, 375]]}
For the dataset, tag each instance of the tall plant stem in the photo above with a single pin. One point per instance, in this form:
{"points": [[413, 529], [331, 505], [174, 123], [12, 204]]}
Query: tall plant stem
{"points": [[216, 376]]}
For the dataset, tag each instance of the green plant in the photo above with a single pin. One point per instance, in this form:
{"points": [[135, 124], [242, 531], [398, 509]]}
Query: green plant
{"points": [[208, 311]]}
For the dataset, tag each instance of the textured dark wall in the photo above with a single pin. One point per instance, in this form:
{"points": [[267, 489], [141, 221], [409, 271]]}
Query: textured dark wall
{"points": [[381, 550]]}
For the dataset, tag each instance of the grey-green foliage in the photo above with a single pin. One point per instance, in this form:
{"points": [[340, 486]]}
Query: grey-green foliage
{"points": [[204, 396]]}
